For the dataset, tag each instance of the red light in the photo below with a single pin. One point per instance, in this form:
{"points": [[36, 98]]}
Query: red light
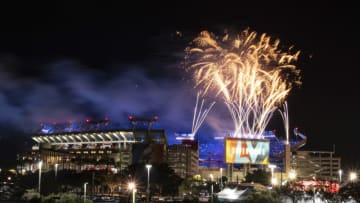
{"points": [[131, 117], [9, 178], [87, 120]]}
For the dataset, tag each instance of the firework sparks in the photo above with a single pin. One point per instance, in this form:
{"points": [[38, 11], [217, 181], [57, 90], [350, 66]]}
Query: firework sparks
{"points": [[251, 73], [199, 114], [285, 116]]}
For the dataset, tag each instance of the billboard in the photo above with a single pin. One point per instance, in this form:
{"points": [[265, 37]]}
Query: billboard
{"points": [[246, 151]]}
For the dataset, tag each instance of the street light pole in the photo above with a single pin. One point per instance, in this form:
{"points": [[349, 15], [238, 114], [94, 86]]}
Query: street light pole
{"points": [[39, 166], [314, 194], [85, 191], [212, 188], [56, 170], [221, 181], [132, 188], [272, 167], [340, 174], [148, 166]]}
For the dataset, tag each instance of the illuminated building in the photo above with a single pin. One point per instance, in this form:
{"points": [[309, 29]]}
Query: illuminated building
{"points": [[183, 158], [94, 146], [211, 153], [212, 156], [28, 161], [317, 164]]}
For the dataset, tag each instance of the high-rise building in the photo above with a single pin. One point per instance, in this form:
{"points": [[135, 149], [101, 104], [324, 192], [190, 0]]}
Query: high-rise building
{"points": [[316, 164], [184, 158]]}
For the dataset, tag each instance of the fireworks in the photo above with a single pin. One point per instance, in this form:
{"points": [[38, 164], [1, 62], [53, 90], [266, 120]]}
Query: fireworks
{"points": [[285, 116], [250, 72], [199, 114]]}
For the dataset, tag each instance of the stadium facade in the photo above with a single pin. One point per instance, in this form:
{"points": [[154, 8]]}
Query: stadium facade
{"points": [[93, 146], [103, 145]]}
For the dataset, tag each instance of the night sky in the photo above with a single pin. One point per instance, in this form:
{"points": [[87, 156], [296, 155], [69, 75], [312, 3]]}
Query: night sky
{"points": [[66, 61]]}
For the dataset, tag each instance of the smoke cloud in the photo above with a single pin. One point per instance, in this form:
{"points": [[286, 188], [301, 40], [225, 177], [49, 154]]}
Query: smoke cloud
{"points": [[69, 91]]}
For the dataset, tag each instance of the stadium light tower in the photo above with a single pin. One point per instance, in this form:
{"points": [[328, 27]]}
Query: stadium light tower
{"points": [[148, 121]]}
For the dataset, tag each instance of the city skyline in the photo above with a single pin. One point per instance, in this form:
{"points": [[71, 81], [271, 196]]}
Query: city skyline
{"points": [[85, 57]]}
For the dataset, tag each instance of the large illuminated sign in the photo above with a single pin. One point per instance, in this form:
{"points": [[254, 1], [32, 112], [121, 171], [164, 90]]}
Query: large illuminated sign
{"points": [[250, 151]]}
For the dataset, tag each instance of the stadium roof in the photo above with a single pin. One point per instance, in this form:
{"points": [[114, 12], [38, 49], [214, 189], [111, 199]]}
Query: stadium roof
{"points": [[110, 136]]}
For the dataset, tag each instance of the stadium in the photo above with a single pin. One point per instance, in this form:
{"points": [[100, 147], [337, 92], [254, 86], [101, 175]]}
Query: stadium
{"points": [[94, 145], [106, 145]]}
